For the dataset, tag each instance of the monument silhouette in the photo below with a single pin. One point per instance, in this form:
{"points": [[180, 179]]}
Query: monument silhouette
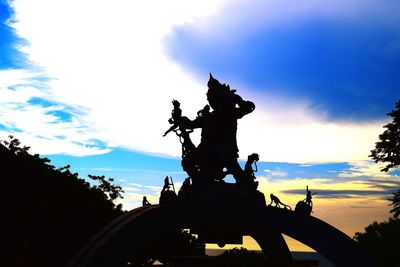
{"points": [[217, 211]]}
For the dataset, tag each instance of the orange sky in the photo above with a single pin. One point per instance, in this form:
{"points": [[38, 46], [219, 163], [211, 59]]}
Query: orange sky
{"points": [[350, 215]]}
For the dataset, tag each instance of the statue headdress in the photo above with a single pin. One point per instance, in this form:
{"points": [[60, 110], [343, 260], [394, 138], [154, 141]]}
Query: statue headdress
{"points": [[214, 84]]}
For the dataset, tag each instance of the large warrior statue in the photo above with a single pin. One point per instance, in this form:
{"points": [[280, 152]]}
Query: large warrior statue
{"points": [[218, 150]]}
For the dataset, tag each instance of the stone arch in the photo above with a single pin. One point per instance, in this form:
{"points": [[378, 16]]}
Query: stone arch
{"points": [[131, 233]]}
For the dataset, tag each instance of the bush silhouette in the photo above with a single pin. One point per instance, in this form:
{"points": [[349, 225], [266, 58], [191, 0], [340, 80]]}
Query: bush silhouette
{"points": [[178, 242], [380, 240], [387, 150], [48, 213], [241, 257]]}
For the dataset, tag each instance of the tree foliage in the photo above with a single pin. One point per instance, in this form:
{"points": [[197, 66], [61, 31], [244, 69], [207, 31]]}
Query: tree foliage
{"points": [[396, 204], [108, 187], [380, 240], [387, 149], [48, 213], [178, 242], [241, 257]]}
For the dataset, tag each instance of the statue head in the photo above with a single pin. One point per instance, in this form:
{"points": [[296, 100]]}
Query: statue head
{"points": [[253, 157], [219, 96], [176, 103], [212, 82]]}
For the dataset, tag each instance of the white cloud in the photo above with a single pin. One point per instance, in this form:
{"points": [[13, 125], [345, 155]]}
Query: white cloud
{"points": [[12, 77], [304, 137], [108, 60], [134, 193], [365, 168], [276, 173], [128, 189]]}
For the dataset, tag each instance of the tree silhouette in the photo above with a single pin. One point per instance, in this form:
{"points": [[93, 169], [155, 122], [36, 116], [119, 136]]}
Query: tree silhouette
{"points": [[48, 213], [387, 149], [241, 257], [396, 204], [380, 240], [178, 242], [108, 187]]}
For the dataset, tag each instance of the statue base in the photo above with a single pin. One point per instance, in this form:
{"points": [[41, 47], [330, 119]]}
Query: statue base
{"points": [[224, 195]]}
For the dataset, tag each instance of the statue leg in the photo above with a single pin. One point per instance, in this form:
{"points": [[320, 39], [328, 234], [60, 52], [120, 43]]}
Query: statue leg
{"points": [[274, 247], [233, 167], [209, 169]]}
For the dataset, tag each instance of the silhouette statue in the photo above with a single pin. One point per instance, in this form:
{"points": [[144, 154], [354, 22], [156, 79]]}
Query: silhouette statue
{"points": [[218, 148], [168, 196], [305, 206], [167, 184], [181, 128], [308, 199], [275, 200], [204, 112], [185, 188], [249, 171], [145, 202], [176, 116], [214, 209], [186, 184]]}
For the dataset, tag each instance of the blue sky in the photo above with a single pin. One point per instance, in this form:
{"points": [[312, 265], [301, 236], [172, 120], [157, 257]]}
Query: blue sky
{"points": [[92, 87], [10, 56], [349, 69]]}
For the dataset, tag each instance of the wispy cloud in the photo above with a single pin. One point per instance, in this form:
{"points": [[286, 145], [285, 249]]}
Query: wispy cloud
{"points": [[42, 126], [324, 193], [349, 204], [276, 173], [330, 187], [365, 168], [119, 94], [134, 193]]}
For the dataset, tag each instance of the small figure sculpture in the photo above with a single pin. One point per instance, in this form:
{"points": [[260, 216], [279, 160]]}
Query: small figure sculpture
{"points": [[166, 184], [249, 177], [278, 202], [145, 202], [204, 112], [308, 199], [305, 206], [176, 116], [168, 196], [181, 127]]}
